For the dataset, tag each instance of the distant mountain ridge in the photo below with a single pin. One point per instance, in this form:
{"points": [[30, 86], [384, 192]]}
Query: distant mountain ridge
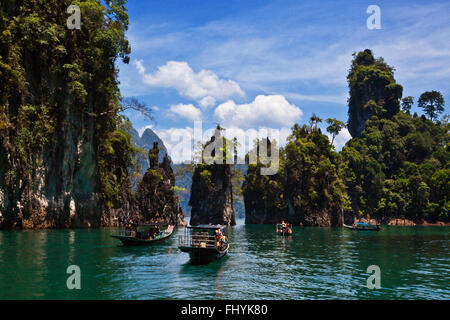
{"points": [[183, 182], [146, 142]]}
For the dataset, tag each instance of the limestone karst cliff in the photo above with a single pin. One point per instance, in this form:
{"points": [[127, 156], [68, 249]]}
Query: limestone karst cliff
{"points": [[63, 151], [263, 194], [156, 200], [211, 192], [66, 152], [373, 91], [306, 190]]}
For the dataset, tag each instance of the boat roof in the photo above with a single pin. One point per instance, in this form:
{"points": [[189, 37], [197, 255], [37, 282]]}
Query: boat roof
{"points": [[363, 223], [156, 224], [207, 226]]}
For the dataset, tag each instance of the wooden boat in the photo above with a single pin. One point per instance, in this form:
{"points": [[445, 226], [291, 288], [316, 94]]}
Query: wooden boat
{"points": [[363, 227], [145, 234], [204, 243], [284, 231]]}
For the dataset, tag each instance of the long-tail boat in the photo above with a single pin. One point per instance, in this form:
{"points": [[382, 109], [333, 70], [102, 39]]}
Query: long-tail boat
{"points": [[360, 226], [204, 243], [144, 234]]}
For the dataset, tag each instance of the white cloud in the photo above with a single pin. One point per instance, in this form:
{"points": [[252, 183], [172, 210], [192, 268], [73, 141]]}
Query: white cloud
{"points": [[341, 139], [207, 102], [186, 111], [141, 130], [178, 142], [246, 137], [271, 111], [337, 98], [202, 85]]}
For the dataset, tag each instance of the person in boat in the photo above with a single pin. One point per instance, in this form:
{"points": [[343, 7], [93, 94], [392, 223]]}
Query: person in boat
{"points": [[222, 241], [284, 226], [218, 237], [151, 233]]}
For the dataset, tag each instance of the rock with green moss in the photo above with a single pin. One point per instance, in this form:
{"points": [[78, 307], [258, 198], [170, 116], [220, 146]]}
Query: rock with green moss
{"points": [[156, 200], [211, 192], [373, 91], [64, 153], [264, 194]]}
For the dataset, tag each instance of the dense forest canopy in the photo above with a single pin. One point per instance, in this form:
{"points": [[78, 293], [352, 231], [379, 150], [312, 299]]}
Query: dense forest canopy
{"points": [[63, 145], [373, 91], [67, 157], [307, 189], [395, 166]]}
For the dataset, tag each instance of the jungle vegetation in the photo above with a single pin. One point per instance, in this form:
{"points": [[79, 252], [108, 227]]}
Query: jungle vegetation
{"points": [[395, 166]]}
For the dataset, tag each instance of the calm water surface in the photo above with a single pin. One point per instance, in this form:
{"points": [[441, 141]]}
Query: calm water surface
{"points": [[315, 263]]}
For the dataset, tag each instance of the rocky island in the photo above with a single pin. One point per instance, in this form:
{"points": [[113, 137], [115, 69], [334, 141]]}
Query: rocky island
{"points": [[211, 193], [68, 160], [394, 170], [155, 196]]}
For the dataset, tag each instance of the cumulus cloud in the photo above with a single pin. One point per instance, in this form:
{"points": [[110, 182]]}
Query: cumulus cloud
{"points": [[270, 111], [246, 137], [186, 111], [341, 139], [207, 102], [204, 86], [182, 143], [178, 142]]}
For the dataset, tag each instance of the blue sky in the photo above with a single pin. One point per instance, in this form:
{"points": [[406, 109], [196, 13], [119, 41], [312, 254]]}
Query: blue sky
{"points": [[268, 64]]}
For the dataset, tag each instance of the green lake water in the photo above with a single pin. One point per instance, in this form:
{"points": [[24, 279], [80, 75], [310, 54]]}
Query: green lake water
{"points": [[315, 263]]}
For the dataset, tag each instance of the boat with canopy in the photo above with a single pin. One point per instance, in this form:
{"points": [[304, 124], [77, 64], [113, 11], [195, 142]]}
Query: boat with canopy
{"points": [[144, 234], [204, 243]]}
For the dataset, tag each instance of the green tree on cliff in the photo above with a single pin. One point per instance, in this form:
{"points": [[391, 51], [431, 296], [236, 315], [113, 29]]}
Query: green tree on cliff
{"points": [[264, 194], [61, 133], [407, 103], [373, 91], [211, 196], [432, 103], [334, 127], [314, 121]]}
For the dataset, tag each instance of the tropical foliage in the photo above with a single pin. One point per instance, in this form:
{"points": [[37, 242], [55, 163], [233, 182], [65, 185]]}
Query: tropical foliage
{"points": [[61, 133]]}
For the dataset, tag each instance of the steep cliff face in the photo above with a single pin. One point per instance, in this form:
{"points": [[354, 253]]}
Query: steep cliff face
{"points": [[306, 190], [264, 194], [211, 192], [155, 197], [373, 91], [315, 193], [63, 153]]}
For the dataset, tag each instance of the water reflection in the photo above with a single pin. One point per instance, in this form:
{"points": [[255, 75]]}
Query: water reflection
{"points": [[313, 263]]}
